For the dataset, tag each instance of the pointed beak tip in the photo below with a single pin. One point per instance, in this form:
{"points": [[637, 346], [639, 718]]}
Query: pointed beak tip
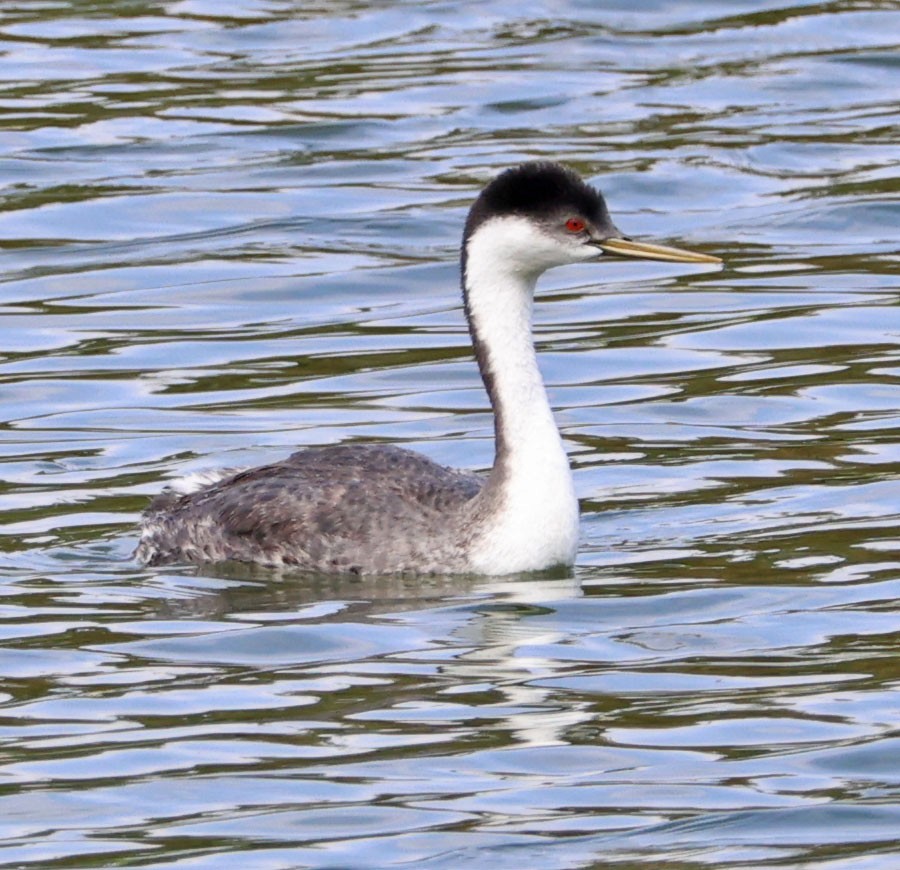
{"points": [[620, 247]]}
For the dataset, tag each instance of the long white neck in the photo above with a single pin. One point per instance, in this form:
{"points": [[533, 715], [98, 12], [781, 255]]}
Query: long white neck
{"points": [[532, 514]]}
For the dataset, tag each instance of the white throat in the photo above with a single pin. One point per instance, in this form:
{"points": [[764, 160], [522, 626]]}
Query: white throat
{"points": [[534, 519]]}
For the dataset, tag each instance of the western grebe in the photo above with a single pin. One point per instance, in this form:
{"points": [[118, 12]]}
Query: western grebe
{"points": [[378, 509]]}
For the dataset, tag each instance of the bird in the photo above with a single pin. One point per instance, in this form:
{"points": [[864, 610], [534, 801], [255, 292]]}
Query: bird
{"points": [[378, 509]]}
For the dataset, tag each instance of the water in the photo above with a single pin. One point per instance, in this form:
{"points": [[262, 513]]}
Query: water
{"points": [[230, 229]]}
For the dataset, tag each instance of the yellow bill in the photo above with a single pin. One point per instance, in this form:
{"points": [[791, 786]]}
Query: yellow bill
{"points": [[645, 251]]}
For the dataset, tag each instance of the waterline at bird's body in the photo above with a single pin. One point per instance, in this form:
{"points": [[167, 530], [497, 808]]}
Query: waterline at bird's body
{"points": [[372, 509]]}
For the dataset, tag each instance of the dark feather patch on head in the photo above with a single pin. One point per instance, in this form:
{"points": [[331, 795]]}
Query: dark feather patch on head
{"points": [[536, 190]]}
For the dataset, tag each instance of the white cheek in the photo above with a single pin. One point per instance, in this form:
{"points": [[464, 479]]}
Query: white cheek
{"points": [[586, 252], [523, 247]]}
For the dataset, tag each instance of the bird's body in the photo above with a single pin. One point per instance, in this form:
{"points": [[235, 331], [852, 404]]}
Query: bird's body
{"points": [[325, 509], [378, 509]]}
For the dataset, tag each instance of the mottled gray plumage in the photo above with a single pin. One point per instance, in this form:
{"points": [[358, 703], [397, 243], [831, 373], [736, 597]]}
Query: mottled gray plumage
{"points": [[327, 509]]}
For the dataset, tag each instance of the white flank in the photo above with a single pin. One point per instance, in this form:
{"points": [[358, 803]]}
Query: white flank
{"points": [[197, 480]]}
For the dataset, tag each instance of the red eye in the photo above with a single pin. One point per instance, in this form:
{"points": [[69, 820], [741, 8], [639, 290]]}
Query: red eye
{"points": [[574, 225]]}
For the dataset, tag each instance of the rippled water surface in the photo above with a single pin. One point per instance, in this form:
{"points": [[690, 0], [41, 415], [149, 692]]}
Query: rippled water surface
{"points": [[228, 229]]}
